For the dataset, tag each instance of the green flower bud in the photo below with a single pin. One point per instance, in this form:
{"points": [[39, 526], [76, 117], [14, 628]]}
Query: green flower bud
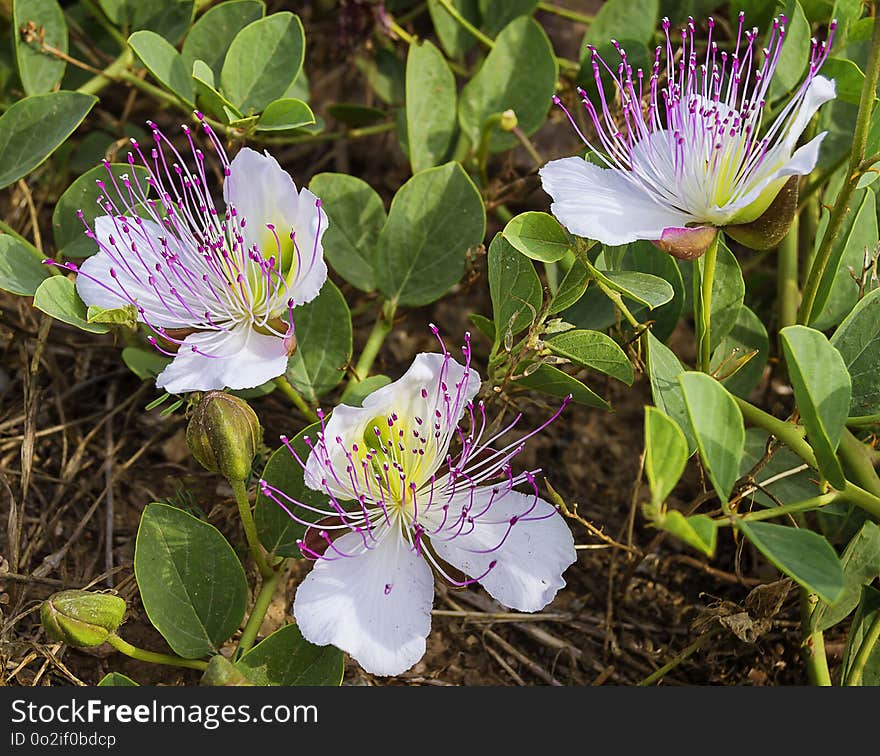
{"points": [[508, 120], [223, 435], [81, 618]]}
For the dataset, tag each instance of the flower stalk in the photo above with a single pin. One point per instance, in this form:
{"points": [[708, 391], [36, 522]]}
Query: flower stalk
{"points": [[154, 658], [704, 278], [250, 528], [258, 612]]}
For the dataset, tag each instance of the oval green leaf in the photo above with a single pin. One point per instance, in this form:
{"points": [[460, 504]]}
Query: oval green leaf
{"points": [[211, 36], [57, 297], [514, 287], [21, 270], [165, 64], [593, 349], [538, 235], [430, 106], [191, 582], [286, 658], [39, 71], [286, 113], [666, 453]]}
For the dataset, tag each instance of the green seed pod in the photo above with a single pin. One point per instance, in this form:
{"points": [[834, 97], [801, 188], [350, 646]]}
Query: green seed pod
{"points": [[223, 435], [81, 618], [771, 227]]}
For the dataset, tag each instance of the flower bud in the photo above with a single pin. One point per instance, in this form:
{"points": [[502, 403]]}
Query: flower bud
{"points": [[81, 618], [509, 120], [223, 435], [772, 226]]}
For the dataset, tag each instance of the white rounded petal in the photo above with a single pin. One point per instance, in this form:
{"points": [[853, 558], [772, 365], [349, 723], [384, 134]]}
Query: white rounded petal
{"points": [[603, 204], [819, 91], [133, 269], [438, 375], [375, 606], [311, 270], [238, 359], [531, 557]]}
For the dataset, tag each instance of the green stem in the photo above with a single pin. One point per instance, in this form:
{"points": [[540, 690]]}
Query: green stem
{"points": [[571, 15], [703, 281], [679, 658], [857, 155], [258, 612], [466, 25], [859, 462], [787, 277], [807, 505], [861, 659], [580, 251], [814, 643], [291, 393], [110, 74], [153, 91], [151, 656], [250, 528], [491, 123], [381, 329]]}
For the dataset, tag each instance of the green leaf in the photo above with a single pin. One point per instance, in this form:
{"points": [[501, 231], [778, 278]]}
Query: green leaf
{"points": [[848, 78], [498, 15], [514, 287], [519, 74], [822, 390], [170, 19], [146, 364], [455, 39], [861, 565], [430, 106], [838, 291], [33, 128], [718, 427], [116, 679], [571, 288], [593, 349], [666, 453], [484, 325], [211, 36], [858, 341], [207, 95], [867, 614], [354, 115], [795, 54], [286, 113], [57, 297], [747, 336], [386, 75], [650, 291], [804, 556], [39, 71], [663, 370], [728, 291], [192, 585], [276, 529], [124, 316], [263, 60], [83, 194], [356, 215], [538, 235], [355, 393], [164, 62], [553, 381], [698, 531], [434, 219], [622, 19], [21, 270], [286, 658], [323, 338]]}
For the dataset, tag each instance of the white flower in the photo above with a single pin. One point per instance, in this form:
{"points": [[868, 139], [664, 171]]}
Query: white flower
{"points": [[217, 287], [693, 156], [400, 506]]}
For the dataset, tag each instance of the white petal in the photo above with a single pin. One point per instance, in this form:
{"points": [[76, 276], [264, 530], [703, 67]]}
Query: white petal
{"points": [[264, 194], [531, 558], [96, 286], [241, 358], [819, 91], [429, 371], [602, 204], [376, 606]]}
